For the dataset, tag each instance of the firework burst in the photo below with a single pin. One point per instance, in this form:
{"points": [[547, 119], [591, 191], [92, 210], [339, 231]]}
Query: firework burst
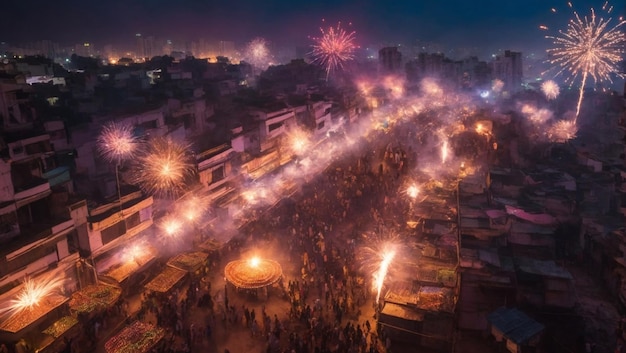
{"points": [[588, 47], [31, 295], [497, 85], [299, 141], [412, 191], [562, 131], [333, 48], [257, 53], [163, 167], [192, 208], [117, 142], [550, 89], [172, 226]]}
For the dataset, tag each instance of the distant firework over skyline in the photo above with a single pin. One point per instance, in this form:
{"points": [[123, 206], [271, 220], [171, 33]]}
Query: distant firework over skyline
{"points": [[588, 47], [333, 48]]}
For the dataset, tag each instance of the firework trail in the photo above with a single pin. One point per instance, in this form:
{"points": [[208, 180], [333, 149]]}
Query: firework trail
{"points": [[333, 48], [588, 47]]}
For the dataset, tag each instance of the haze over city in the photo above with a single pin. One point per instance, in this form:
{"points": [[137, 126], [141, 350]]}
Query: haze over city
{"points": [[312, 177]]}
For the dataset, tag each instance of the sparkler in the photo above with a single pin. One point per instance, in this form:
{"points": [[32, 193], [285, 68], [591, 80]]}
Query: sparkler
{"points": [[588, 47], [550, 89], [31, 295], [333, 48], [163, 167]]}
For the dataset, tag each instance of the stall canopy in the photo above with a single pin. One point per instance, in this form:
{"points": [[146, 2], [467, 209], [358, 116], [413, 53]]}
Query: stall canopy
{"points": [[211, 245], [165, 280], [126, 268], [189, 262], [28, 316], [94, 298]]}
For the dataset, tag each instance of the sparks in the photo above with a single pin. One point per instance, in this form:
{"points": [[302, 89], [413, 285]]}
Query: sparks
{"points": [[257, 53], [550, 89], [333, 48], [117, 142], [163, 167], [172, 226], [299, 141], [412, 191], [192, 208], [31, 294], [497, 85], [385, 261], [444, 151], [562, 131], [588, 48]]}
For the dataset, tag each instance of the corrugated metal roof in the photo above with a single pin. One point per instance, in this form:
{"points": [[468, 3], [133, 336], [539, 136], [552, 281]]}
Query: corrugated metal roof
{"points": [[515, 325]]}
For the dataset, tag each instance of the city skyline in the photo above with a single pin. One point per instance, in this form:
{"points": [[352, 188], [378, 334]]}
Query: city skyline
{"points": [[486, 25]]}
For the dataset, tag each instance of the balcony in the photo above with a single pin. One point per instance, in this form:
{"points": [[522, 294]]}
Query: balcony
{"points": [[31, 190]]}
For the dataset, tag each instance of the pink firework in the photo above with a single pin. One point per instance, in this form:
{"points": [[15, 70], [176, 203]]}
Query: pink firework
{"points": [[117, 141], [333, 48]]}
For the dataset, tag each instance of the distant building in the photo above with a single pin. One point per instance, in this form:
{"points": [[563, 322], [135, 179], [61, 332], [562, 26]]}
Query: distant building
{"points": [[390, 59], [509, 69]]}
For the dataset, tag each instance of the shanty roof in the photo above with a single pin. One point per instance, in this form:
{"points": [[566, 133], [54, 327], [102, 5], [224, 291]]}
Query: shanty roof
{"points": [[541, 268], [515, 325]]}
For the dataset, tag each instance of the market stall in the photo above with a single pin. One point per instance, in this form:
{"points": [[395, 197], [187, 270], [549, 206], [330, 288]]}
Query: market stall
{"points": [[132, 263], [14, 324], [52, 340], [211, 245], [190, 262], [166, 280], [138, 337], [94, 299]]}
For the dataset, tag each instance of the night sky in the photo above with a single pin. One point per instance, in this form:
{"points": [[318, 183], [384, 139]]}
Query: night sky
{"points": [[486, 24]]}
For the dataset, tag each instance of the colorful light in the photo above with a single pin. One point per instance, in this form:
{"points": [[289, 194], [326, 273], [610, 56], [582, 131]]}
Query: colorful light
{"points": [[163, 167], [550, 89], [117, 142], [31, 294], [333, 48], [385, 261], [413, 191], [562, 131], [257, 53], [588, 47]]}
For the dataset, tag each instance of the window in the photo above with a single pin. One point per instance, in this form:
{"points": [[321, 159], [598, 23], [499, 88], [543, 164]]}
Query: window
{"points": [[274, 126], [113, 232], [133, 220], [217, 174]]}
